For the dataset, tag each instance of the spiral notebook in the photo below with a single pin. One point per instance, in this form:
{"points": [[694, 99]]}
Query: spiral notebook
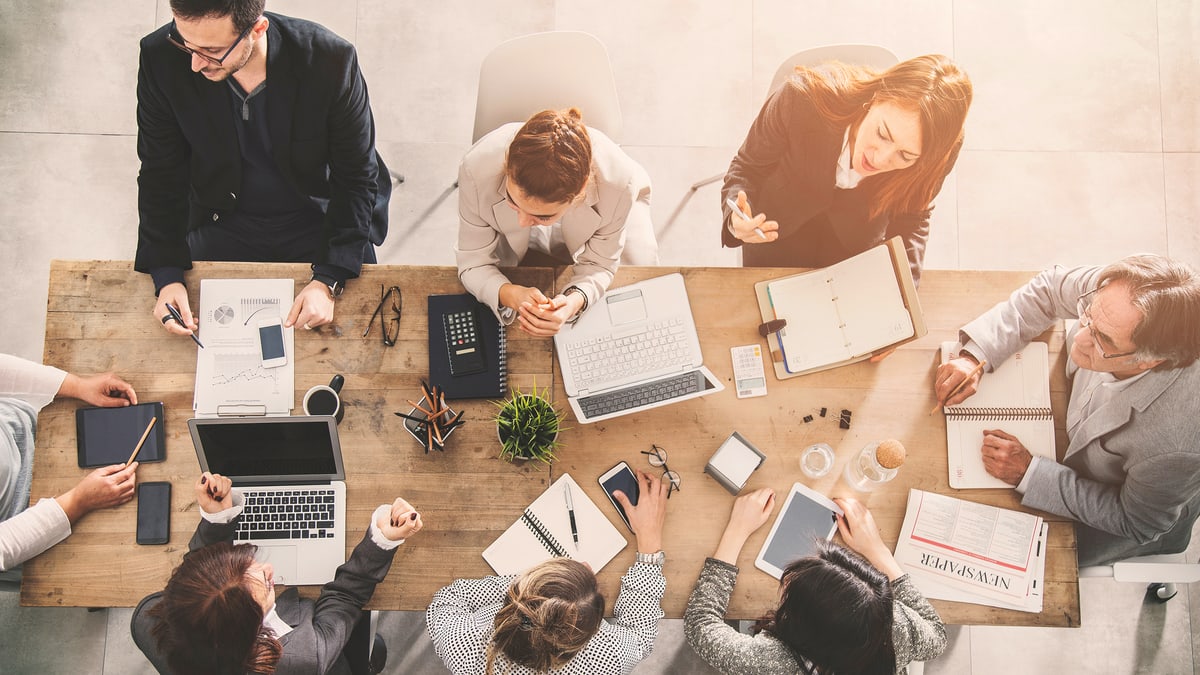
{"points": [[1015, 398], [491, 383], [544, 531]]}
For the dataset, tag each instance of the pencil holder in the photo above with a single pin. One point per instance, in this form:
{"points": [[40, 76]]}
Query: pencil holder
{"points": [[420, 431]]}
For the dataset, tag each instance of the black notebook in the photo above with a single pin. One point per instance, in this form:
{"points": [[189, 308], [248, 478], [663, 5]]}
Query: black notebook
{"points": [[107, 436], [492, 382]]}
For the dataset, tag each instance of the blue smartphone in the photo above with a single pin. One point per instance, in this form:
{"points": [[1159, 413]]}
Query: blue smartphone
{"points": [[620, 477]]}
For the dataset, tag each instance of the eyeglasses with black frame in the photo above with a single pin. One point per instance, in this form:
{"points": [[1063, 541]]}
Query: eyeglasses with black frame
{"points": [[657, 457], [174, 38], [1083, 307], [389, 326]]}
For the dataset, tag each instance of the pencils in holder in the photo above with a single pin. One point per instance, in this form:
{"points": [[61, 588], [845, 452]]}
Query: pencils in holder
{"points": [[142, 441]]}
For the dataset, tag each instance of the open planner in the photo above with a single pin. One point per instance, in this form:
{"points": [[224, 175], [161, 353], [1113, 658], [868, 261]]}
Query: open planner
{"points": [[1015, 397], [544, 531], [843, 313]]}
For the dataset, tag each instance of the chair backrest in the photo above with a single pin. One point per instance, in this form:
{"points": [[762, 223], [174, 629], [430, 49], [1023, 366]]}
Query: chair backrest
{"points": [[872, 56], [553, 70]]}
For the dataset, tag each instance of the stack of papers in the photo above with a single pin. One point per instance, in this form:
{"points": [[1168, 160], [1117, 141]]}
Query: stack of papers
{"points": [[959, 550]]}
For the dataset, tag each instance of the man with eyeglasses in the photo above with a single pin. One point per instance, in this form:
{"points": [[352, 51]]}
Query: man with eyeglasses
{"points": [[1131, 471], [257, 144]]}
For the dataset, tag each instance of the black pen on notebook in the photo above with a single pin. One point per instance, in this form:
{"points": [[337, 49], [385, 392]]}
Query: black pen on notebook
{"points": [[571, 514], [738, 210], [179, 319]]}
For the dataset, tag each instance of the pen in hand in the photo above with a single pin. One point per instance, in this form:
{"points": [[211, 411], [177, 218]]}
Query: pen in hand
{"points": [[738, 210], [178, 318], [571, 514], [974, 371]]}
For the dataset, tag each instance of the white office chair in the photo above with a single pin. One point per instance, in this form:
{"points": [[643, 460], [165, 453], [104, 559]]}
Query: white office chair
{"points": [[553, 70], [872, 56], [1162, 572]]}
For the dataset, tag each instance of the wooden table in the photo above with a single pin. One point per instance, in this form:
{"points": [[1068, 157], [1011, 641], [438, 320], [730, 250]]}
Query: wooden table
{"points": [[98, 319]]}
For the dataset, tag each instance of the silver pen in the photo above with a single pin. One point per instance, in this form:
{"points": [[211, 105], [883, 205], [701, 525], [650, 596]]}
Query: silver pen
{"points": [[738, 210], [571, 514]]}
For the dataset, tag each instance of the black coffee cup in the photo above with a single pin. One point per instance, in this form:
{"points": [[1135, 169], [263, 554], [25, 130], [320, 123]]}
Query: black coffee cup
{"points": [[324, 400]]}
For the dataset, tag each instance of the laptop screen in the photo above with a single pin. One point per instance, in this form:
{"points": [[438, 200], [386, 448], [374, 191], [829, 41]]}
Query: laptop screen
{"points": [[257, 450]]}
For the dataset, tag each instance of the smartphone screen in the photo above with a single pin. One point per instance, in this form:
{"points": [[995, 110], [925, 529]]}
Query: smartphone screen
{"points": [[154, 513], [270, 337], [620, 478]]}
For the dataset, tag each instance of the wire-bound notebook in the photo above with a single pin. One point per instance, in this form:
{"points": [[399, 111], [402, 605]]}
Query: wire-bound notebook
{"points": [[544, 531], [1015, 398], [492, 382]]}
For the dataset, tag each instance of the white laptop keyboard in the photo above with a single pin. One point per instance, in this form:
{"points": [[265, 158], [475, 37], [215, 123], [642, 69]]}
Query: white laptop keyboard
{"points": [[597, 361], [294, 512]]}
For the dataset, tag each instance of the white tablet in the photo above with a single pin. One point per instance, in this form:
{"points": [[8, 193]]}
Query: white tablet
{"points": [[806, 516]]}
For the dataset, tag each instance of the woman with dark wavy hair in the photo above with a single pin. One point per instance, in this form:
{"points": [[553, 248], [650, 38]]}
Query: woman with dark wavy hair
{"points": [[837, 612], [219, 613], [841, 158]]}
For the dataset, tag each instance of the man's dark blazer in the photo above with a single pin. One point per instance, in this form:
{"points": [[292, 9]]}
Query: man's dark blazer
{"points": [[320, 630], [322, 137]]}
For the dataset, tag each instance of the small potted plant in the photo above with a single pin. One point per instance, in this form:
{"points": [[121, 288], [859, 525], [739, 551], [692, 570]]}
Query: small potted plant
{"points": [[528, 426]]}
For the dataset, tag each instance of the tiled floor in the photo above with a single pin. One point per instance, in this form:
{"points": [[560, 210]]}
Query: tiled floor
{"points": [[1083, 145]]}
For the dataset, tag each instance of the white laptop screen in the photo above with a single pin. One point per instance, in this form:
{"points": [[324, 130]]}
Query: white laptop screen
{"points": [[269, 450]]}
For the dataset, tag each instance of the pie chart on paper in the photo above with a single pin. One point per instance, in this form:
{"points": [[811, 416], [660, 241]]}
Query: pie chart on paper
{"points": [[223, 315]]}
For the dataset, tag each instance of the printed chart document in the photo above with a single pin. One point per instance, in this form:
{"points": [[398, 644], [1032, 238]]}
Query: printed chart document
{"points": [[544, 531], [959, 550], [843, 313], [1014, 398], [230, 377]]}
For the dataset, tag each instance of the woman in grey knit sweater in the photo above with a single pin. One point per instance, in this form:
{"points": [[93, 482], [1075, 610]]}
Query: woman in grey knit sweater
{"points": [[837, 614]]}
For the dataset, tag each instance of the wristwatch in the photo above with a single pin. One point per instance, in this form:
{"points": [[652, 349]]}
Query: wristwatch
{"points": [[652, 558], [335, 286]]}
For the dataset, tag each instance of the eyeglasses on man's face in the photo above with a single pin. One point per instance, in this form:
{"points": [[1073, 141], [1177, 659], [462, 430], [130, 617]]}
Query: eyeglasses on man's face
{"points": [[174, 38], [391, 303], [1083, 308], [658, 458]]}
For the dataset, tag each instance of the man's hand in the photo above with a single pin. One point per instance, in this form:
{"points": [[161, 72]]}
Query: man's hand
{"points": [[214, 492], [647, 518], [175, 294], [1004, 457], [949, 374], [313, 307], [105, 390], [107, 486]]}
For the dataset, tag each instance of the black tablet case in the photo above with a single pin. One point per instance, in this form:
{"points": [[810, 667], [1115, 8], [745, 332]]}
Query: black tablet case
{"points": [[491, 383], [105, 436]]}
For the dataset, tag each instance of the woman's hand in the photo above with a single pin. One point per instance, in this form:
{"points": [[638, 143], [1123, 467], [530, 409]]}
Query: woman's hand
{"points": [[402, 521], [745, 228], [214, 492], [861, 534], [647, 518], [750, 512]]}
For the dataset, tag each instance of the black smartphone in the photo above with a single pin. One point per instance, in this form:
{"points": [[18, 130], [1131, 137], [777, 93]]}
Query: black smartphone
{"points": [[620, 477], [154, 513]]}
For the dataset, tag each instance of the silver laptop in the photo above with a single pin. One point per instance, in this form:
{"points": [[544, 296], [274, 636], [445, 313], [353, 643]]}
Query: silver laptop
{"points": [[290, 472], [634, 350]]}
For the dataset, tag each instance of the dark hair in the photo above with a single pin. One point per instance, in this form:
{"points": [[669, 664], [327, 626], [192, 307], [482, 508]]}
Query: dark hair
{"points": [[550, 158], [209, 621], [931, 85], [550, 614], [1167, 293], [243, 12], [835, 611]]}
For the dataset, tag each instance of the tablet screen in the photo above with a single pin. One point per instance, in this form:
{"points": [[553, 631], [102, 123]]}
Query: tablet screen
{"points": [[805, 517], [108, 435]]}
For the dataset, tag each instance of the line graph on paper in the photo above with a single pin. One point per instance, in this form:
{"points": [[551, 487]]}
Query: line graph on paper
{"points": [[243, 370]]}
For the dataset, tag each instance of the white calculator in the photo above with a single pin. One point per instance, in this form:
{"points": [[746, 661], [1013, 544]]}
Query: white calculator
{"points": [[748, 376]]}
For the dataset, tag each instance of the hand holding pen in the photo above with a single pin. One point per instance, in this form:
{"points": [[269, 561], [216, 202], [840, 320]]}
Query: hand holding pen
{"points": [[748, 228], [214, 492], [174, 311]]}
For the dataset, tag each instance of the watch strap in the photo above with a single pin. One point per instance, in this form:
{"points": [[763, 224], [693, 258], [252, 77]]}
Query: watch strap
{"points": [[652, 558]]}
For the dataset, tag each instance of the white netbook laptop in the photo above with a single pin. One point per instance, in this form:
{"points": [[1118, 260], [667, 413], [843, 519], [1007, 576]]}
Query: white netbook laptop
{"points": [[634, 350], [290, 472]]}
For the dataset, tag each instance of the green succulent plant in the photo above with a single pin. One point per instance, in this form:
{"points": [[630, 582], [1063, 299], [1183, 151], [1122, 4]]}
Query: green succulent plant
{"points": [[528, 426]]}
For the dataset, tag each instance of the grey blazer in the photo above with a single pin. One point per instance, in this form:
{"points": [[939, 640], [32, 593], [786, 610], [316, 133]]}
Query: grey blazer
{"points": [[1131, 473], [320, 630]]}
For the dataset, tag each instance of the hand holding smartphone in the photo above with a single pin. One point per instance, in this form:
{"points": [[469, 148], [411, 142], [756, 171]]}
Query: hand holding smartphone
{"points": [[270, 342], [621, 477]]}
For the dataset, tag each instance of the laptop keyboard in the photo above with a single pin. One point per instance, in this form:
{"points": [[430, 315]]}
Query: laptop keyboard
{"points": [[287, 514], [596, 360], [642, 394]]}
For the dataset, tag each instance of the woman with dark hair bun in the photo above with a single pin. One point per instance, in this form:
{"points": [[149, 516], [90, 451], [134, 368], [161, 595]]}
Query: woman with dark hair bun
{"points": [[841, 158], [837, 612], [219, 613]]}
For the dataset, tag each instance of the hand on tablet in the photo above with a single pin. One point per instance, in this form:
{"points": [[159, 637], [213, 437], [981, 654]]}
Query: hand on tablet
{"points": [[750, 512], [859, 531]]}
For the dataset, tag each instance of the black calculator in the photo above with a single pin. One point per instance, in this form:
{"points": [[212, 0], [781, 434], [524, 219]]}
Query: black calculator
{"points": [[463, 343]]}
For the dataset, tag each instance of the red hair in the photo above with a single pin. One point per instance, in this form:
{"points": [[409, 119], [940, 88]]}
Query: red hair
{"points": [[550, 158]]}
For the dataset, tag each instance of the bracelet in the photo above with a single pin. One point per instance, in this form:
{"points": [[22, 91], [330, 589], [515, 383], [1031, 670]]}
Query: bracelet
{"points": [[576, 289]]}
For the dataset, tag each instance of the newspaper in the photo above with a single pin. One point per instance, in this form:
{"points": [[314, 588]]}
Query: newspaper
{"points": [[230, 377], [959, 550]]}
